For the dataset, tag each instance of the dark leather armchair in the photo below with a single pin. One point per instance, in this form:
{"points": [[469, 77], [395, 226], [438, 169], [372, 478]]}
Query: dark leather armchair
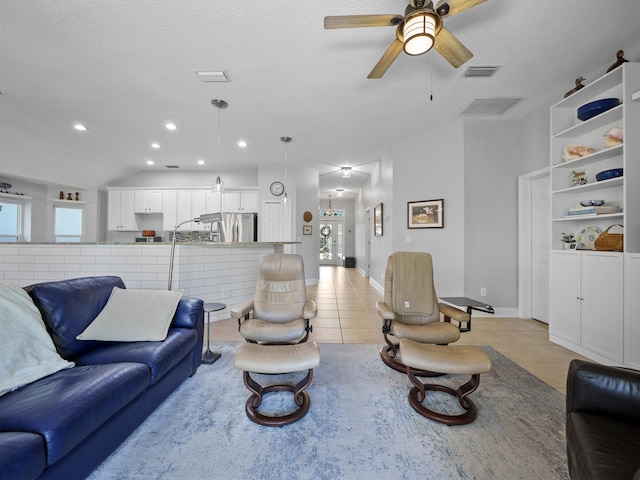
{"points": [[603, 422]]}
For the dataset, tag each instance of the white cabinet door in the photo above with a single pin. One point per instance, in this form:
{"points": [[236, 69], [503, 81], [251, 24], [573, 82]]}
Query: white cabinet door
{"points": [[632, 310], [184, 209], [148, 201], [121, 215], [602, 304], [231, 201], [169, 209], [198, 207], [249, 201], [214, 202], [564, 319]]}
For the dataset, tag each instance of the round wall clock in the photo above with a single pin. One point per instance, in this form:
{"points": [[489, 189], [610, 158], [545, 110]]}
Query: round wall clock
{"points": [[277, 188]]}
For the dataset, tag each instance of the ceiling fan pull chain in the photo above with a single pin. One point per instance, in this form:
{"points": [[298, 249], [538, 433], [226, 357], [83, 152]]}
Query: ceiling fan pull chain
{"points": [[431, 77]]}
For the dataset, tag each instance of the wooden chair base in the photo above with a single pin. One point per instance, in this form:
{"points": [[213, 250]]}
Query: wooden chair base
{"points": [[300, 397], [391, 360], [418, 394]]}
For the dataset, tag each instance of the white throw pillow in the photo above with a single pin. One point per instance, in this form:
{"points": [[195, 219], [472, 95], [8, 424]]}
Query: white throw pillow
{"points": [[27, 352], [134, 315]]}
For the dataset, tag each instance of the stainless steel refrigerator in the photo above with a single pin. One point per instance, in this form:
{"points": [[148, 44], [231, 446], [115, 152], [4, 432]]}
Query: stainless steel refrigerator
{"points": [[239, 227]]}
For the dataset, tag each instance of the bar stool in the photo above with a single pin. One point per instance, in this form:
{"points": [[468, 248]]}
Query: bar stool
{"points": [[208, 356]]}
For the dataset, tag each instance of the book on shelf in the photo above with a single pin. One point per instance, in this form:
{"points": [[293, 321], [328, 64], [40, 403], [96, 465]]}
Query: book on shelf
{"points": [[601, 210]]}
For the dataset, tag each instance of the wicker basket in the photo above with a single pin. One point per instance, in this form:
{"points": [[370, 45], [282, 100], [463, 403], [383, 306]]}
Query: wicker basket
{"points": [[610, 241]]}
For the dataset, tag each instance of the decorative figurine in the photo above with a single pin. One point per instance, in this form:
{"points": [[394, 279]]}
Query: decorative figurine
{"points": [[61, 195], [69, 196], [77, 196], [620, 60], [579, 85]]}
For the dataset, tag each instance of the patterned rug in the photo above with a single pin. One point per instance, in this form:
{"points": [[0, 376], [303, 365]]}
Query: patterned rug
{"points": [[360, 426]]}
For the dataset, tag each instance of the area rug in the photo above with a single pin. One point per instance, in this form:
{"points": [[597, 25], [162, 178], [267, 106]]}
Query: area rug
{"points": [[360, 426]]}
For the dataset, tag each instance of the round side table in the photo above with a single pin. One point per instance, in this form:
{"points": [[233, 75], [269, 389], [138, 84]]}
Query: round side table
{"points": [[208, 356]]}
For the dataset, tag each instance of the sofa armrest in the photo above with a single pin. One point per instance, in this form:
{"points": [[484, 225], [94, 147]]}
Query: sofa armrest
{"points": [[187, 312], [603, 390], [242, 310], [310, 310], [384, 311]]}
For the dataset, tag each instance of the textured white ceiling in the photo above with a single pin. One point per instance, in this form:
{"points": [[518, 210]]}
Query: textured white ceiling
{"points": [[124, 68]]}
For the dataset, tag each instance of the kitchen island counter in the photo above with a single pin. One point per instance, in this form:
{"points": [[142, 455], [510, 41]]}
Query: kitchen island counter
{"points": [[212, 271]]}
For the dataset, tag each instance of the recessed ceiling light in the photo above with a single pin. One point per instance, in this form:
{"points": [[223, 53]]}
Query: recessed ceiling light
{"points": [[242, 143], [149, 162], [155, 145], [80, 127], [200, 162], [171, 126]]}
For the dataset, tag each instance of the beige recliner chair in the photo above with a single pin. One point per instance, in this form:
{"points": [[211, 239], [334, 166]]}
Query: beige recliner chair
{"points": [[279, 312], [410, 308]]}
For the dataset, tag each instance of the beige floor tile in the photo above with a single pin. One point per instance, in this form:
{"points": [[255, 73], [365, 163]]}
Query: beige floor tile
{"points": [[326, 335], [324, 322], [363, 322], [360, 335]]}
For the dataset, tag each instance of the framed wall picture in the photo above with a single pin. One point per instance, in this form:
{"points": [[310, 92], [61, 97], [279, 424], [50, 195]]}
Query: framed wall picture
{"points": [[377, 221], [307, 229], [426, 214]]}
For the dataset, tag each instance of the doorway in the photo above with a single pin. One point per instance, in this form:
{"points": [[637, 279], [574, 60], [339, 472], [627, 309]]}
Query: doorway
{"points": [[331, 242], [535, 237]]}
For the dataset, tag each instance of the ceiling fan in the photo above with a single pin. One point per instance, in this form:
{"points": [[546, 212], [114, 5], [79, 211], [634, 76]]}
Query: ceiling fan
{"points": [[420, 29]]}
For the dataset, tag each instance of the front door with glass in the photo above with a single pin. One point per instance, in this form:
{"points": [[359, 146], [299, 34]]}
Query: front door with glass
{"points": [[331, 242]]}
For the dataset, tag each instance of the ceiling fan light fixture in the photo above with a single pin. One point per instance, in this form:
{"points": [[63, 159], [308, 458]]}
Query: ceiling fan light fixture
{"points": [[419, 31]]}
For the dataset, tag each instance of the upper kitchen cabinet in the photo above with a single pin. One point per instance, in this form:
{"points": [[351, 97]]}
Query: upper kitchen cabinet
{"points": [[240, 200], [121, 216], [148, 201]]}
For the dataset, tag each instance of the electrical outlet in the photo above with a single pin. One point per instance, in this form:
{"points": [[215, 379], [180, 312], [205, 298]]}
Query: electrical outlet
{"points": [[483, 292]]}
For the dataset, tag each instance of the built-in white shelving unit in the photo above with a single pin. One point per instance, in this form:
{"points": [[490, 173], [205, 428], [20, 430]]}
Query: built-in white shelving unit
{"points": [[589, 310]]}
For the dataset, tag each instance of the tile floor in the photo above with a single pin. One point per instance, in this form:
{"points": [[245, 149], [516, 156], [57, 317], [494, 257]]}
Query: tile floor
{"points": [[347, 314]]}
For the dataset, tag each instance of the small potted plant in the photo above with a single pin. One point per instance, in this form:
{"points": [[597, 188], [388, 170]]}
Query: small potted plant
{"points": [[568, 239]]}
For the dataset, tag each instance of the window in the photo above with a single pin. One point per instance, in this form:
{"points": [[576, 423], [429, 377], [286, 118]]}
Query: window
{"points": [[68, 224], [9, 222]]}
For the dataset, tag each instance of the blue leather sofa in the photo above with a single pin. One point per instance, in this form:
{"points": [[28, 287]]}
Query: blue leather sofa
{"points": [[64, 425]]}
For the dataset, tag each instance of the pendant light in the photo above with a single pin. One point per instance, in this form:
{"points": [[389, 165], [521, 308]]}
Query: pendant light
{"points": [[285, 140], [330, 212], [218, 184]]}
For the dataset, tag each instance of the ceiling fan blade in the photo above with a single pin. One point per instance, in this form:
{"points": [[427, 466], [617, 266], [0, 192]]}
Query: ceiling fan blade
{"points": [[451, 48], [355, 21], [386, 60], [446, 8]]}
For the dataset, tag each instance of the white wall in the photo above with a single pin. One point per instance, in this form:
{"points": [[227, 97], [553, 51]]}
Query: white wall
{"points": [[430, 166], [307, 182], [493, 151]]}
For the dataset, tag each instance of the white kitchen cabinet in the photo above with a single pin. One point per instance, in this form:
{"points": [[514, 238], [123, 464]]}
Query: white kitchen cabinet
{"points": [[199, 207], [121, 214], [214, 201], [184, 209], [169, 209], [587, 313], [240, 201], [148, 201]]}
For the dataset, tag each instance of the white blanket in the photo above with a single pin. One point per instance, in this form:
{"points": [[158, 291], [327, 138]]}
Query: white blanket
{"points": [[27, 352]]}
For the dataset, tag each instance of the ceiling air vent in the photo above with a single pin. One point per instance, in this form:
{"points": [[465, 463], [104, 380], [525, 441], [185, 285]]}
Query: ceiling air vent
{"points": [[212, 76], [481, 71], [172, 166], [489, 106]]}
